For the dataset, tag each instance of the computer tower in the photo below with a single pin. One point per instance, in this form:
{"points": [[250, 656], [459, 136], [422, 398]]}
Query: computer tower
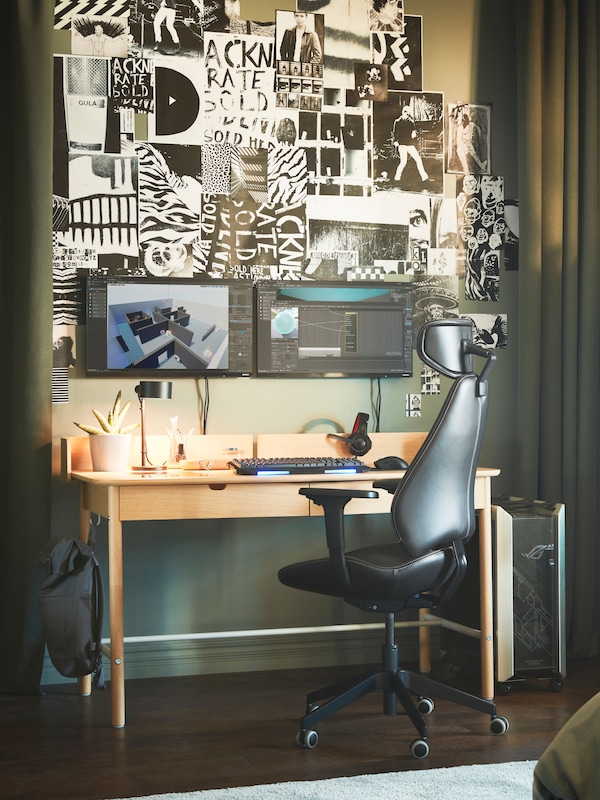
{"points": [[529, 593]]}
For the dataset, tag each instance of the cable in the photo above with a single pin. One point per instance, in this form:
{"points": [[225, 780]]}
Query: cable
{"points": [[203, 405], [206, 405], [376, 402]]}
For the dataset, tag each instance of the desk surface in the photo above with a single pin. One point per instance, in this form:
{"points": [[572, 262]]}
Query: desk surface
{"points": [[76, 461], [75, 452]]}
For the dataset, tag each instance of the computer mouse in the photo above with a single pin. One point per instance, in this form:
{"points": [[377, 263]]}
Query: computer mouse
{"points": [[390, 463]]}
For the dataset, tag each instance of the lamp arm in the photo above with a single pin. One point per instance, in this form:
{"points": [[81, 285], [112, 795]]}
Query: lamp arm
{"points": [[144, 446]]}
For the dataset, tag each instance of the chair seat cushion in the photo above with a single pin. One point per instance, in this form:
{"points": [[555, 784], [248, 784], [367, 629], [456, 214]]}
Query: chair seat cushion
{"points": [[381, 572]]}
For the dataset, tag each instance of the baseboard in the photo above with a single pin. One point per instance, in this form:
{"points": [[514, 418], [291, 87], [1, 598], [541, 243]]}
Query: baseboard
{"points": [[161, 659]]}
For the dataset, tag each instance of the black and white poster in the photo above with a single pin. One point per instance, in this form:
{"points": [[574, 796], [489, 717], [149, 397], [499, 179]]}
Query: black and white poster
{"points": [[176, 117], [346, 38], [99, 36], [133, 84], [481, 227], [468, 139], [169, 207], [238, 101], [408, 143], [402, 54], [489, 330], [253, 240]]}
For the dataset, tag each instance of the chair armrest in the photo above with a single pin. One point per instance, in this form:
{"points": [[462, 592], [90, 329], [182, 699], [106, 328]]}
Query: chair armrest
{"points": [[388, 484], [314, 493], [334, 502]]}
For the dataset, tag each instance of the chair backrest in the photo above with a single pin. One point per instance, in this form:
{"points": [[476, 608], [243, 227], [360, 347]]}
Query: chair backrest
{"points": [[433, 505]]}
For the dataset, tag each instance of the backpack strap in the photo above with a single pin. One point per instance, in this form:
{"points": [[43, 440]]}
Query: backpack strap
{"points": [[98, 679]]}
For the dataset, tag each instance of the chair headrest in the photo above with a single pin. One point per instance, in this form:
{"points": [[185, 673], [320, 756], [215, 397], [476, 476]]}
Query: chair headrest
{"points": [[440, 346], [446, 345]]}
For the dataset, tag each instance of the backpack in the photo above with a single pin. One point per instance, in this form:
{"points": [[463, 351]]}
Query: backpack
{"points": [[71, 603]]}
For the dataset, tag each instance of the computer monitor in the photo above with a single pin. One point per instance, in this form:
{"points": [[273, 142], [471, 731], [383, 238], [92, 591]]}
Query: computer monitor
{"points": [[175, 327], [334, 329]]}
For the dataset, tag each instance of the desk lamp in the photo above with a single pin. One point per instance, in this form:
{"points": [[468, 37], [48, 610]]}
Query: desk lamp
{"points": [[150, 390]]}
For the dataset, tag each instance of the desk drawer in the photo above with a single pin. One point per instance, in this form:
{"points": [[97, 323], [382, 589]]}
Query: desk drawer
{"points": [[216, 501], [381, 505]]}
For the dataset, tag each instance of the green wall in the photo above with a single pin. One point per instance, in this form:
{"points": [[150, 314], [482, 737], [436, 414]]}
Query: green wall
{"points": [[199, 576]]}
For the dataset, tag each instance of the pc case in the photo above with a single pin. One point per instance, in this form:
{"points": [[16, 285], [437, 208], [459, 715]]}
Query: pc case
{"points": [[529, 594]]}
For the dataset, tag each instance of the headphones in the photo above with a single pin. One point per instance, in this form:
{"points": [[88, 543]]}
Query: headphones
{"points": [[358, 441]]}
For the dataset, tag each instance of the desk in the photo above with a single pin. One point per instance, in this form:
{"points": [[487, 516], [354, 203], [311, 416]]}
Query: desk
{"points": [[222, 494]]}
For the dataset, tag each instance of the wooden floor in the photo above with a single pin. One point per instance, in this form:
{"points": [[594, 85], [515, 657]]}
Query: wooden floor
{"points": [[185, 734]]}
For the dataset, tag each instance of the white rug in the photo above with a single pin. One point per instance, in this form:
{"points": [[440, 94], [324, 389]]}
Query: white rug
{"points": [[511, 781]]}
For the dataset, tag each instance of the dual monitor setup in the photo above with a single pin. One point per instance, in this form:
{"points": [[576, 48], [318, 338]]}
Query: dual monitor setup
{"points": [[232, 328]]}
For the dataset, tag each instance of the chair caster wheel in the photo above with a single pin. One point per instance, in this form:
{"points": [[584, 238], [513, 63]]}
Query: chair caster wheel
{"points": [[307, 738], [425, 705], [499, 725], [419, 748]]}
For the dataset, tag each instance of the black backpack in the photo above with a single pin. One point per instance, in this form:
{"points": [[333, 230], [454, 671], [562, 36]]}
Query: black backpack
{"points": [[72, 606]]}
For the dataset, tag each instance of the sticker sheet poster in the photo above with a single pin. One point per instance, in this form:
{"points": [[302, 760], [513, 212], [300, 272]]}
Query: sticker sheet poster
{"points": [[239, 102], [481, 226]]}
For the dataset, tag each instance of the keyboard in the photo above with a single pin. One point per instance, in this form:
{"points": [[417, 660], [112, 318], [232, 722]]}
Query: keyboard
{"points": [[323, 465]]}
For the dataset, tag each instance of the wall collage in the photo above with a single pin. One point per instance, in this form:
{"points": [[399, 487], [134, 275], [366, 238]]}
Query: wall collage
{"points": [[191, 142]]}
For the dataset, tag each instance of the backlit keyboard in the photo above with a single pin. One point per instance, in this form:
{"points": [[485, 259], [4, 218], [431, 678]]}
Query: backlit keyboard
{"points": [[298, 466]]}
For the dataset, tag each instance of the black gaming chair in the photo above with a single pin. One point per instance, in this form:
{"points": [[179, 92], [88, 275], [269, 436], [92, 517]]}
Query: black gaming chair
{"points": [[433, 515]]}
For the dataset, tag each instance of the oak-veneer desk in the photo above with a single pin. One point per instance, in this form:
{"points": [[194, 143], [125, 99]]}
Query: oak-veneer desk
{"points": [[222, 494]]}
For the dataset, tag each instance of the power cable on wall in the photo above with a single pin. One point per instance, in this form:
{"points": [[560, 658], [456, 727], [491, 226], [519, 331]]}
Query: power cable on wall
{"points": [[376, 402], [203, 404]]}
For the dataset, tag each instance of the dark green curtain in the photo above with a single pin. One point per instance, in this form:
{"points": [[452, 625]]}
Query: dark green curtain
{"points": [[559, 286], [26, 292]]}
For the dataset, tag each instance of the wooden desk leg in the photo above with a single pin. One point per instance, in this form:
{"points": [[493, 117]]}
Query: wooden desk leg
{"points": [[115, 588], [486, 595], [85, 682]]}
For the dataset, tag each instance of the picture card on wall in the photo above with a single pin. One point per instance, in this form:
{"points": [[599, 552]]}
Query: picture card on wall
{"points": [[371, 81], [489, 330]]}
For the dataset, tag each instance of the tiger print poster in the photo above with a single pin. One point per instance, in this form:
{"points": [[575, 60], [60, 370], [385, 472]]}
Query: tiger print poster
{"points": [[169, 207]]}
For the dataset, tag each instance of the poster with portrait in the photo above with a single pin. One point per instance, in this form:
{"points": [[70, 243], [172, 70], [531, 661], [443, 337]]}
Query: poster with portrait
{"points": [[99, 36], [408, 142], [468, 138], [386, 15]]}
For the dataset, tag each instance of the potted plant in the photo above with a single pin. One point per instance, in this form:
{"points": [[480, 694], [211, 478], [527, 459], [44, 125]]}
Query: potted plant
{"points": [[110, 441]]}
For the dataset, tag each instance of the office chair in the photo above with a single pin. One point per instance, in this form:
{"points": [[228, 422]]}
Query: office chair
{"points": [[432, 515]]}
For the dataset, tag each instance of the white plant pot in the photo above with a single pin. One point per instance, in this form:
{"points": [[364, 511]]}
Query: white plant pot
{"points": [[110, 451]]}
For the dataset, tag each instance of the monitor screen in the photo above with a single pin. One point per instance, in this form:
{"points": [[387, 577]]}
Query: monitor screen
{"points": [[175, 326], [334, 329]]}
